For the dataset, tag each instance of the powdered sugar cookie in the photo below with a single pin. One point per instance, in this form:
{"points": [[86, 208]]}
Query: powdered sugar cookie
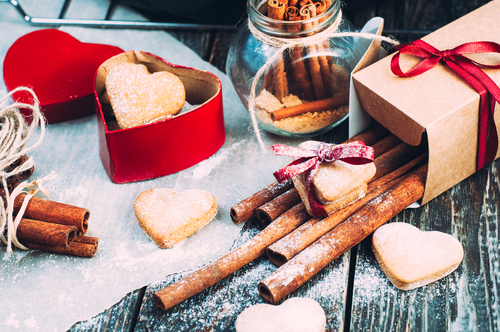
{"points": [[294, 315], [336, 184], [138, 97], [169, 217], [412, 258]]}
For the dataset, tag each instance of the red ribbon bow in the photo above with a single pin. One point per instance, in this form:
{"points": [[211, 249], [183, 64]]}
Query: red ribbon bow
{"points": [[309, 160], [469, 70]]}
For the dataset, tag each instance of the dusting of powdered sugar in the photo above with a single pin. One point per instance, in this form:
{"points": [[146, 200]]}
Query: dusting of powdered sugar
{"points": [[218, 307], [205, 167], [213, 307]]}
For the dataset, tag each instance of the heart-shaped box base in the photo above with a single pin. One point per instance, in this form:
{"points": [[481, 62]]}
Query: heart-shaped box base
{"points": [[59, 69], [166, 146]]}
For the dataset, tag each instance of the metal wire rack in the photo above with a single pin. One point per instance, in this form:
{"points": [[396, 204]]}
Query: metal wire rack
{"points": [[107, 22]]}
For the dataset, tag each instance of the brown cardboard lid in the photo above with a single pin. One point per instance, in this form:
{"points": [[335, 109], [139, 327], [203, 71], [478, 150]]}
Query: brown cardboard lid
{"points": [[438, 102]]}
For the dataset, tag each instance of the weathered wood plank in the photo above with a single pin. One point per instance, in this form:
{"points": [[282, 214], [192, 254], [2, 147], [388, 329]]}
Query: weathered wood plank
{"points": [[120, 317], [200, 42], [220, 48], [424, 15], [466, 299]]}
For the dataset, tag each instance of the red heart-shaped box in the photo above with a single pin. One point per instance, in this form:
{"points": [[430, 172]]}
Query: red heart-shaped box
{"points": [[59, 69], [166, 146]]}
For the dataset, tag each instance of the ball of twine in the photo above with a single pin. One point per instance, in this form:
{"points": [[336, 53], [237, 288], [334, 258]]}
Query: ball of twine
{"points": [[283, 44], [15, 136]]}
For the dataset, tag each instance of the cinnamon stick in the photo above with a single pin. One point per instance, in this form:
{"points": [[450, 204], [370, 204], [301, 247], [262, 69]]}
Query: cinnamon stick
{"points": [[323, 61], [299, 71], [293, 15], [395, 158], [321, 6], [280, 80], [54, 212], [20, 176], [276, 10], [300, 74], [377, 182], [289, 246], [274, 208], [384, 145], [371, 135], [214, 272], [313, 106], [25, 174], [268, 83], [46, 233], [246, 208], [87, 240], [357, 227], [11, 184], [82, 246], [313, 62], [18, 162]]}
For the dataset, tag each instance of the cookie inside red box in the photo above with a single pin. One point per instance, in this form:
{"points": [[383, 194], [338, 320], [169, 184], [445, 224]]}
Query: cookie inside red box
{"points": [[155, 118]]}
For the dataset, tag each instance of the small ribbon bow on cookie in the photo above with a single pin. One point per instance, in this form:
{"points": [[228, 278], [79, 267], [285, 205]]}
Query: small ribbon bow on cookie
{"points": [[308, 162], [469, 70]]}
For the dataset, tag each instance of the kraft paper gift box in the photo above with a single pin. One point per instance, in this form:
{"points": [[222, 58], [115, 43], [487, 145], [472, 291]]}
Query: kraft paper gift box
{"points": [[439, 105], [165, 146]]}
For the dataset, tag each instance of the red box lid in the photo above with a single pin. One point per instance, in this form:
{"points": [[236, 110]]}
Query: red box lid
{"points": [[59, 69]]}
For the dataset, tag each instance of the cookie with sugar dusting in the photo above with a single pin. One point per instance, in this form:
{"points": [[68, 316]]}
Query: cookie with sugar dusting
{"points": [[336, 184], [412, 258], [295, 314], [169, 217], [139, 97]]}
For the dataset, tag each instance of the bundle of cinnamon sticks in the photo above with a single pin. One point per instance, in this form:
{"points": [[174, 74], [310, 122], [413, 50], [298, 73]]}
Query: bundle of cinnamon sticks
{"points": [[55, 227], [307, 72], [302, 245], [50, 226]]}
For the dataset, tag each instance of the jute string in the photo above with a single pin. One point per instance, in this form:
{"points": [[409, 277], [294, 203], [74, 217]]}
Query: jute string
{"points": [[283, 44], [15, 134]]}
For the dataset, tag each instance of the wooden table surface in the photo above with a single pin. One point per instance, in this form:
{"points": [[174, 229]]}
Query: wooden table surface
{"points": [[467, 300]]}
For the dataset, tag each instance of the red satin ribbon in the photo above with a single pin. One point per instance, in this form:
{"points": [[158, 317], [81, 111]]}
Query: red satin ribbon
{"points": [[309, 160], [469, 70]]}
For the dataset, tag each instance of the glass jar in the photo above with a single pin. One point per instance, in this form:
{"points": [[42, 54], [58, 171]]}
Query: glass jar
{"points": [[293, 74]]}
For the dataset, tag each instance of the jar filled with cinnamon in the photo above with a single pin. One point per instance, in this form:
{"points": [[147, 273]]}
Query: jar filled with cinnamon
{"points": [[290, 65]]}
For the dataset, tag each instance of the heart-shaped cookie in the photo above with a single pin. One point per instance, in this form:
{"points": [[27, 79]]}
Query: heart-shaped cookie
{"points": [[139, 97], [59, 68], [294, 315], [168, 217], [413, 258], [335, 184]]}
